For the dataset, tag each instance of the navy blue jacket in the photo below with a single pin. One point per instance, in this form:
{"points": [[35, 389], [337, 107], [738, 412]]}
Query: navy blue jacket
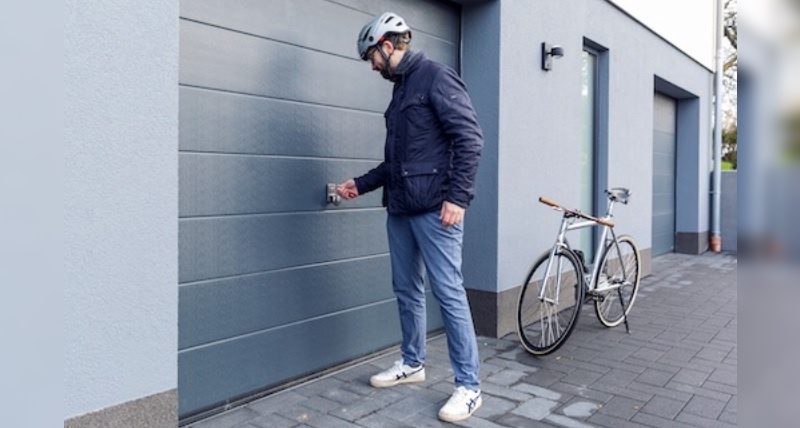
{"points": [[433, 141]]}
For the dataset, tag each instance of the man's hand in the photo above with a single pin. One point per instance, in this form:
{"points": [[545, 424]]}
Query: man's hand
{"points": [[348, 189], [451, 214]]}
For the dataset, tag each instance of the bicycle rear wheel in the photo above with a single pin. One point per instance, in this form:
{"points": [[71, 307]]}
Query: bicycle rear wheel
{"points": [[548, 306], [620, 265]]}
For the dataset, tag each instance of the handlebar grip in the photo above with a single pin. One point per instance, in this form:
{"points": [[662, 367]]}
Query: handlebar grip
{"points": [[546, 201]]}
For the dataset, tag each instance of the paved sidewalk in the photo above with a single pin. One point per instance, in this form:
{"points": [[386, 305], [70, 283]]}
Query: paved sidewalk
{"points": [[677, 368]]}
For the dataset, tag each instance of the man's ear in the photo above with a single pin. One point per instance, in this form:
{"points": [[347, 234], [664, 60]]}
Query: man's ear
{"points": [[389, 47]]}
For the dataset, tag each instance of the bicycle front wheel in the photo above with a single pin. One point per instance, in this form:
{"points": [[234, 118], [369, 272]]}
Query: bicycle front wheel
{"points": [[549, 302], [620, 271]]}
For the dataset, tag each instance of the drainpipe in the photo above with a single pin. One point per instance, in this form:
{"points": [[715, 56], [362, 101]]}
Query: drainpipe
{"points": [[716, 236]]}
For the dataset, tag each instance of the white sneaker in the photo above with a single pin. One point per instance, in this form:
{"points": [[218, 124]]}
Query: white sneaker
{"points": [[461, 405], [397, 374]]}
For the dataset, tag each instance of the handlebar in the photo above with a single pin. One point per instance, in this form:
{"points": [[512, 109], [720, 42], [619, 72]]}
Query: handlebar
{"points": [[554, 204]]}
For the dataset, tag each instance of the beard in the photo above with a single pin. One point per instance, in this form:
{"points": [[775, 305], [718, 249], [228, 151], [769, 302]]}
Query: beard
{"points": [[386, 74]]}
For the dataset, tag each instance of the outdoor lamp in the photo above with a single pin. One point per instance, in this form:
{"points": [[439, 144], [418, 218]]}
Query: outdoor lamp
{"points": [[548, 53]]}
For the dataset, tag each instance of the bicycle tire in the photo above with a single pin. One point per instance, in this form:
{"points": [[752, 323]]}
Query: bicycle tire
{"points": [[608, 308], [543, 327]]}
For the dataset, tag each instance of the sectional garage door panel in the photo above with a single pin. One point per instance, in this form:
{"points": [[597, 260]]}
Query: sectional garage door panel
{"points": [[664, 155], [275, 283], [235, 184], [236, 367], [224, 122], [225, 246], [213, 57], [225, 308], [333, 28]]}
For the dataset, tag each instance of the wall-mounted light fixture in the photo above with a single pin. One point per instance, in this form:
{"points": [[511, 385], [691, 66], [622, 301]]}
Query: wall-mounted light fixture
{"points": [[548, 53]]}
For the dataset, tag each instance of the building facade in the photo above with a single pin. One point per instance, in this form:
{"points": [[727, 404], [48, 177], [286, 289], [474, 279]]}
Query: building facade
{"points": [[200, 150]]}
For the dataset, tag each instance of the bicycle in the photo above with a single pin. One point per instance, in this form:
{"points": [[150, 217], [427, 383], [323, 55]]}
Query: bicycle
{"points": [[551, 297]]}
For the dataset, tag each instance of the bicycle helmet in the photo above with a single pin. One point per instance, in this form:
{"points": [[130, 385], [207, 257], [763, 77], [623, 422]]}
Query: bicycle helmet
{"points": [[376, 29]]}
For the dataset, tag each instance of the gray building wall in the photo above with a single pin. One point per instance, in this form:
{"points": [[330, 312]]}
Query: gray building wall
{"points": [[120, 213], [537, 133]]}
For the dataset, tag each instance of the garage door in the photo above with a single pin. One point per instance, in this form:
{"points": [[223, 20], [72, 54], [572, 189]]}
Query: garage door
{"points": [[274, 283], [664, 152]]}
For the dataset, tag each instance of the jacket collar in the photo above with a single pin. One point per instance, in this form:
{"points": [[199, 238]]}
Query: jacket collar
{"points": [[407, 65]]}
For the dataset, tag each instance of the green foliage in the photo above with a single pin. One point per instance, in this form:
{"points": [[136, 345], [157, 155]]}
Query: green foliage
{"points": [[729, 147]]}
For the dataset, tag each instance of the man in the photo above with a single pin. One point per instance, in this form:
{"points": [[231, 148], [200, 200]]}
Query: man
{"points": [[433, 143]]}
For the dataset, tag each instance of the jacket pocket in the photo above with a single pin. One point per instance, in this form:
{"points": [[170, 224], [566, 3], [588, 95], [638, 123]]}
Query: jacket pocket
{"points": [[418, 116], [423, 184]]}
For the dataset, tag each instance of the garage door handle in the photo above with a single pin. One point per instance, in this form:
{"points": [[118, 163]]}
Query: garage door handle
{"points": [[331, 196]]}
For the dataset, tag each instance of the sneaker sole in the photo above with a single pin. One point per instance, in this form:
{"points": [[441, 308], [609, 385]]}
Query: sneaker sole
{"points": [[458, 418], [416, 377]]}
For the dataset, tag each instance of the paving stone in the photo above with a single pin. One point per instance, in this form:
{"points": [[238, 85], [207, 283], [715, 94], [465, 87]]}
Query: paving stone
{"points": [[629, 365], [579, 408], [528, 367], [544, 377], [729, 417], [535, 408], [617, 377], [663, 392], [405, 408], [699, 421], [728, 377], [648, 354], [341, 395], [359, 409], [566, 422], [424, 421], [626, 391], [274, 402], [375, 421], [568, 390], [603, 420], [708, 393], [678, 355], [318, 387], [655, 377], [537, 391], [581, 377], [506, 377], [501, 391], [273, 421], [306, 416], [228, 419], [657, 421], [517, 421], [321, 404], [621, 407], [664, 407], [690, 377], [705, 407], [495, 407]]}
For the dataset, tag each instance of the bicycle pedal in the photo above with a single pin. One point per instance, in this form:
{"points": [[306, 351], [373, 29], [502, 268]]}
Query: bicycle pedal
{"points": [[597, 297]]}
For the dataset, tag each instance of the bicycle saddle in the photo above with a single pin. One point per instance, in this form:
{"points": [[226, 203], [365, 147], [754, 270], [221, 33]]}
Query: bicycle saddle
{"points": [[619, 194]]}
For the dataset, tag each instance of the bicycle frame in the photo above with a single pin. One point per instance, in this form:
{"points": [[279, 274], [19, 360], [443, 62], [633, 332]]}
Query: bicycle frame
{"points": [[569, 223]]}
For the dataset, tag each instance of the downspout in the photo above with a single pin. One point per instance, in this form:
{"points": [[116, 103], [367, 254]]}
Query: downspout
{"points": [[716, 237]]}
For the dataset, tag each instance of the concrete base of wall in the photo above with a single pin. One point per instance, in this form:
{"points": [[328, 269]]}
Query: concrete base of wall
{"points": [[494, 314], [159, 410], [691, 242]]}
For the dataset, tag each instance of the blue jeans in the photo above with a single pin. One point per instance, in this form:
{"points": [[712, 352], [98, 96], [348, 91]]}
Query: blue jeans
{"points": [[419, 243]]}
